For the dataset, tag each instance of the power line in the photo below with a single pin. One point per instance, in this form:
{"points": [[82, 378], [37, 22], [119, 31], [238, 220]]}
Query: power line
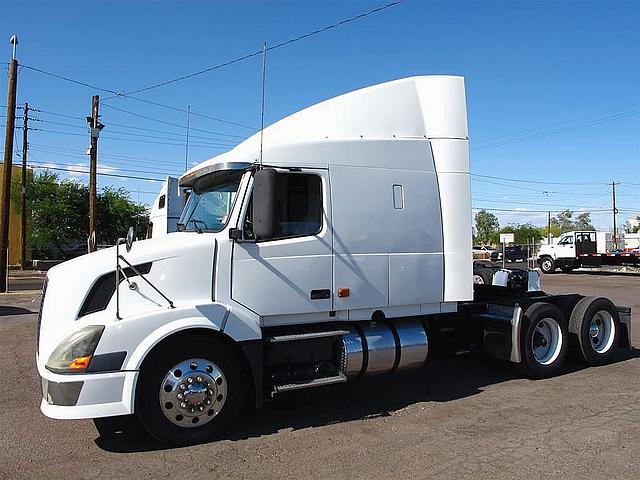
{"points": [[542, 127], [170, 123], [536, 181], [68, 79], [194, 144], [44, 167], [259, 52], [178, 109], [556, 132], [104, 167]]}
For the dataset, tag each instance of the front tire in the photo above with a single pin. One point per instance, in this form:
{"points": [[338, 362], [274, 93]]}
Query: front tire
{"points": [[545, 341], [594, 326], [189, 390], [547, 265]]}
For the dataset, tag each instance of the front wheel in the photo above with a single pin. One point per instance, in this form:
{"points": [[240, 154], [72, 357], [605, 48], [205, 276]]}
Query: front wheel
{"points": [[547, 265], [189, 391], [545, 340]]}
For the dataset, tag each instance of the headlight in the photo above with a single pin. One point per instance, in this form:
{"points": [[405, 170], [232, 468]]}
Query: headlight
{"points": [[74, 353]]}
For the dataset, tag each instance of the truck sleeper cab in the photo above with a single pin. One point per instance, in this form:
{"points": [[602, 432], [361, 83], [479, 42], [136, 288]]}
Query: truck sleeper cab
{"points": [[345, 253]]}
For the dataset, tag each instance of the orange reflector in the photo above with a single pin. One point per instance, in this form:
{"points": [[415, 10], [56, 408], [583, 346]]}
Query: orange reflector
{"points": [[80, 363], [343, 292]]}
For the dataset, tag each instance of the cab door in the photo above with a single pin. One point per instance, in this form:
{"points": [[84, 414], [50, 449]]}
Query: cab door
{"points": [[290, 274], [566, 247]]}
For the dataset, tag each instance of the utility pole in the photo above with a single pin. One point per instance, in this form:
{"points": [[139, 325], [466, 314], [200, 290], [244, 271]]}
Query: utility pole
{"points": [[23, 192], [95, 128], [5, 199], [549, 229], [614, 211]]}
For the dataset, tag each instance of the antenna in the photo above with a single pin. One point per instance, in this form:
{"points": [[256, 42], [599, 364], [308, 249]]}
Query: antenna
{"points": [[264, 74], [186, 148]]}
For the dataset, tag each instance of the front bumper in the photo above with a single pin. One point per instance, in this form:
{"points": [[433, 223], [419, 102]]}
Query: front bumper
{"points": [[91, 395]]}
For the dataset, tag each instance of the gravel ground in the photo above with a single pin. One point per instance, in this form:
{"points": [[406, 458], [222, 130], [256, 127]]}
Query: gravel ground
{"points": [[461, 417]]}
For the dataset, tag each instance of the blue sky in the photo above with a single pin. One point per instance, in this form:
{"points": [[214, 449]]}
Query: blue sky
{"points": [[558, 84]]}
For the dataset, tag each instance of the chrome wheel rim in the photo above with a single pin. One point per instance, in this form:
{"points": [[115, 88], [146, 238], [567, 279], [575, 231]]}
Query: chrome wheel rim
{"points": [[602, 331], [546, 341], [477, 279], [193, 392], [546, 265]]}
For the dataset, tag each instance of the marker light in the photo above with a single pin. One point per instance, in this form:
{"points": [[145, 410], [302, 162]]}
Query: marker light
{"points": [[73, 355]]}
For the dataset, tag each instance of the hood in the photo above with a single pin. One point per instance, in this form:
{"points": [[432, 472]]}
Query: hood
{"points": [[179, 264]]}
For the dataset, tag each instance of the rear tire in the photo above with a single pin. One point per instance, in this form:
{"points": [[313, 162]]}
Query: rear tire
{"points": [[544, 344], [594, 326], [547, 265], [483, 276], [190, 390]]}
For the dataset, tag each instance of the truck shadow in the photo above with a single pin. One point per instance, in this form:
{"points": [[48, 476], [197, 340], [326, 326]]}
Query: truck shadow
{"points": [[10, 310], [444, 380]]}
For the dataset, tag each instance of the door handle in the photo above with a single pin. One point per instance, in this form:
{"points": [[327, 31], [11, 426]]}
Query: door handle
{"points": [[320, 294]]}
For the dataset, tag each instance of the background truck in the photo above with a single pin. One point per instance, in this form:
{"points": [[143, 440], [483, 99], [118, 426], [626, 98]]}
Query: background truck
{"points": [[582, 249], [338, 249]]}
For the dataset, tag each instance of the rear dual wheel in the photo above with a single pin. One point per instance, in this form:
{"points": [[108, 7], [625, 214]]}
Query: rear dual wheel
{"points": [[594, 325], [544, 342]]}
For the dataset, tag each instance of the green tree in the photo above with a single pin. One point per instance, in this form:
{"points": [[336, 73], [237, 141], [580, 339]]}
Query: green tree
{"points": [[583, 222], [116, 213], [58, 213], [486, 225], [523, 233], [563, 221]]}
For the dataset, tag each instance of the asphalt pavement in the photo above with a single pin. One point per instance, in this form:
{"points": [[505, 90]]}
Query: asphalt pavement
{"points": [[461, 417]]}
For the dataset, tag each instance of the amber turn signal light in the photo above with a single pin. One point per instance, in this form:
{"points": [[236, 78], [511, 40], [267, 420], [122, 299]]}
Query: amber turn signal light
{"points": [[80, 363], [343, 292]]}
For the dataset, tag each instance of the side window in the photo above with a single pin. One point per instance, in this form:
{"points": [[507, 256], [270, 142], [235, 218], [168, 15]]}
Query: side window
{"points": [[298, 206], [162, 201]]}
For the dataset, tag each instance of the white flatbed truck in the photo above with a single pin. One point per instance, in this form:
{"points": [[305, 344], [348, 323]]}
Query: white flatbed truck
{"points": [[343, 252], [582, 249]]}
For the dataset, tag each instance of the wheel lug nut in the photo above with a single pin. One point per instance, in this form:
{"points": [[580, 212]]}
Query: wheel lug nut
{"points": [[183, 405], [209, 392], [199, 379], [191, 410], [180, 397], [208, 401], [200, 408], [190, 380], [183, 386]]}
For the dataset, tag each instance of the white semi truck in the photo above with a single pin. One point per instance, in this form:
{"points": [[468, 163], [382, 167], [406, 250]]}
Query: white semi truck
{"points": [[583, 249], [337, 249]]}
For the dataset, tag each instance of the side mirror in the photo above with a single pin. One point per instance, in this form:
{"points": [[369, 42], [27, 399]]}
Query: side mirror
{"points": [[129, 239], [264, 203]]}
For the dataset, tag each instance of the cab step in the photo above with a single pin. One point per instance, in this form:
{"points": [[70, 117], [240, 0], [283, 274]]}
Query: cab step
{"points": [[306, 336], [317, 382]]}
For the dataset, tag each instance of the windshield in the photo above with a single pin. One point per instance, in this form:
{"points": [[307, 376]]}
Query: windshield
{"points": [[211, 201], [568, 240]]}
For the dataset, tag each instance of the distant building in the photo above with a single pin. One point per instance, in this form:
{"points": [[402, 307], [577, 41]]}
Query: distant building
{"points": [[14, 220]]}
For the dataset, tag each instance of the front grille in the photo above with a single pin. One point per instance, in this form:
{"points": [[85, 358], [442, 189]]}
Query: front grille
{"points": [[44, 291]]}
